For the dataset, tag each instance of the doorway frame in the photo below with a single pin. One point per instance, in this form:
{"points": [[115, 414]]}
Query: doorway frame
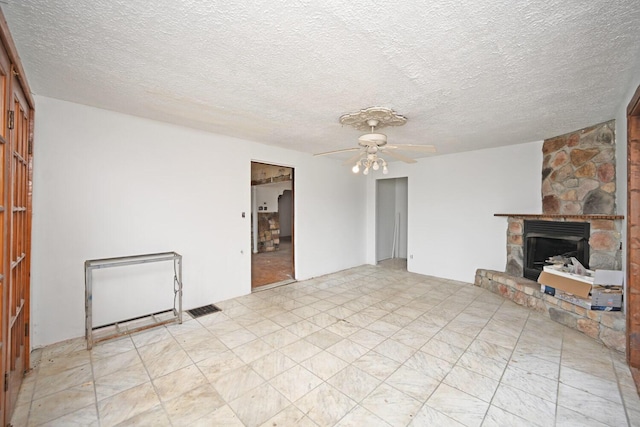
{"points": [[376, 234], [293, 221]]}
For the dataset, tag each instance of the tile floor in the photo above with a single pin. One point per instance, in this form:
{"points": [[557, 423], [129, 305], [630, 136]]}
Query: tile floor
{"points": [[367, 346]]}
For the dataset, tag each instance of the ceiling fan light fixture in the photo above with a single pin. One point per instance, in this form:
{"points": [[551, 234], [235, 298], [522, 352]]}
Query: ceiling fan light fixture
{"points": [[376, 166], [356, 168], [365, 171]]}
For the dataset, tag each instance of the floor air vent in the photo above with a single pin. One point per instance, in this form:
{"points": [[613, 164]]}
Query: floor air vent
{"points": [[203, 311]]}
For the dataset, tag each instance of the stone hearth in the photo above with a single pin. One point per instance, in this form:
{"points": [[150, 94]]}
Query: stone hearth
{"points": [[606, 327]]}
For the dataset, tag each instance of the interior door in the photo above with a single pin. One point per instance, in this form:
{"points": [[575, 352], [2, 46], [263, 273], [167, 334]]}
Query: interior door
{"points": [[5, 73], [19, 238]]}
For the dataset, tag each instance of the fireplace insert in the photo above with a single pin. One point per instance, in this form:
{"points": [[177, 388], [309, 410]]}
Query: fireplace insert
{"points": [[546, 239]]}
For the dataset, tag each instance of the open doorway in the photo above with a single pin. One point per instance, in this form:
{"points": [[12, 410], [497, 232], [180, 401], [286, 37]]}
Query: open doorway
{"points": [[391, 222], [272, 231]]}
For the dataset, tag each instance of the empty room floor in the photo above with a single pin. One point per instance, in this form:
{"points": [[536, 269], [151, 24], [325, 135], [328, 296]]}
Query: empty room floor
{"points": [[363, 347]]}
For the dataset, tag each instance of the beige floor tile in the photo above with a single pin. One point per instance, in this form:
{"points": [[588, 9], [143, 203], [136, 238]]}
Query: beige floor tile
{"points": [[324, 365], [429, 417], [111, 348], [237, 338], [290, 416], [179, 382], [156, 417], [158, 348], [568, 418], [60, 362], [325, 405], [497, 417], [222, 416], [185, 409], [539, 411], [354, 383], [237, 382], [167, 363], [360, 416], [280, 338], [591, 406], [62, 380], [530, 382], [413, 383], [347, 350], [367, 339], [295, 382], [116, 362], [253, 350], [219, 364], [258, 405], [458, 405], [130, 403], [607, 389], [84, 417], [430, 365], [300, 350], [393, 406], [150, 336], [61, 403], [482, 365], [472, 383], [323, 338], [272, 364], [116, 382]]}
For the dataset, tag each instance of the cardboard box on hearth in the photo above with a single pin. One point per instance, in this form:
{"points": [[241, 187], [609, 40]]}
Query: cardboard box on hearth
{"points": [[606, 293], [567, 282], [606, 285]]}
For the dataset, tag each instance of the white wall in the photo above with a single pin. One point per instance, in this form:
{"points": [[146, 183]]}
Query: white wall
{"points": [[108, 184], [268, 194], [452, 199]]}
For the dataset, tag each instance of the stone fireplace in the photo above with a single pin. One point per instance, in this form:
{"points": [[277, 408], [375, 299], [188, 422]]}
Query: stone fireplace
{"points": [[578, 219], [578, 186]]}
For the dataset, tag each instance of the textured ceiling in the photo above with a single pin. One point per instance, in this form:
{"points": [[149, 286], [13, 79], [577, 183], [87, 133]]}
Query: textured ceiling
{"points": [[468, 74]]}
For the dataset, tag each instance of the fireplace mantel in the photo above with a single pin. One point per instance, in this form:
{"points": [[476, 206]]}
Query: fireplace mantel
{"points": [[561, 216]]}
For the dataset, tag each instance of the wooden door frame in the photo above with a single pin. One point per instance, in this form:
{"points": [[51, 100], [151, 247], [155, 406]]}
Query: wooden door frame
{"points": [[632, 296], [16, 78]]}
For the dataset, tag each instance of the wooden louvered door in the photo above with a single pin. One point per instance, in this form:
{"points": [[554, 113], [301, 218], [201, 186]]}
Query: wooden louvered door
{"points": [[16, 136], [18, 217], [5, 78]]}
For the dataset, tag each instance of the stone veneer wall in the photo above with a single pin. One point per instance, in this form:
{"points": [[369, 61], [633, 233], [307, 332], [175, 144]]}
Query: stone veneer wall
{"points": [[579, 172], [604, 243]]}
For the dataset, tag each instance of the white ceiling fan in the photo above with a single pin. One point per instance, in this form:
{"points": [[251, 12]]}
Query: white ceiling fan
{"points": [[372, 145]]}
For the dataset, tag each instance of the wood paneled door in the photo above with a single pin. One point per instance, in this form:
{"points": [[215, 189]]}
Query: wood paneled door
{"points": [[633, 234], [16, 139]]}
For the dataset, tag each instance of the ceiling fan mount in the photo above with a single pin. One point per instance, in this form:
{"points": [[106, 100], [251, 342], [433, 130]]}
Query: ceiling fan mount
{"points": [[374, 143]]}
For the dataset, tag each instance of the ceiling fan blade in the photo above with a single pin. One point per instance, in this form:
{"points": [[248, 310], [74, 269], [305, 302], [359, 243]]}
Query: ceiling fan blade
{"points": [[414, 147], [399, 156], [337, 151], [354, 158]]}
